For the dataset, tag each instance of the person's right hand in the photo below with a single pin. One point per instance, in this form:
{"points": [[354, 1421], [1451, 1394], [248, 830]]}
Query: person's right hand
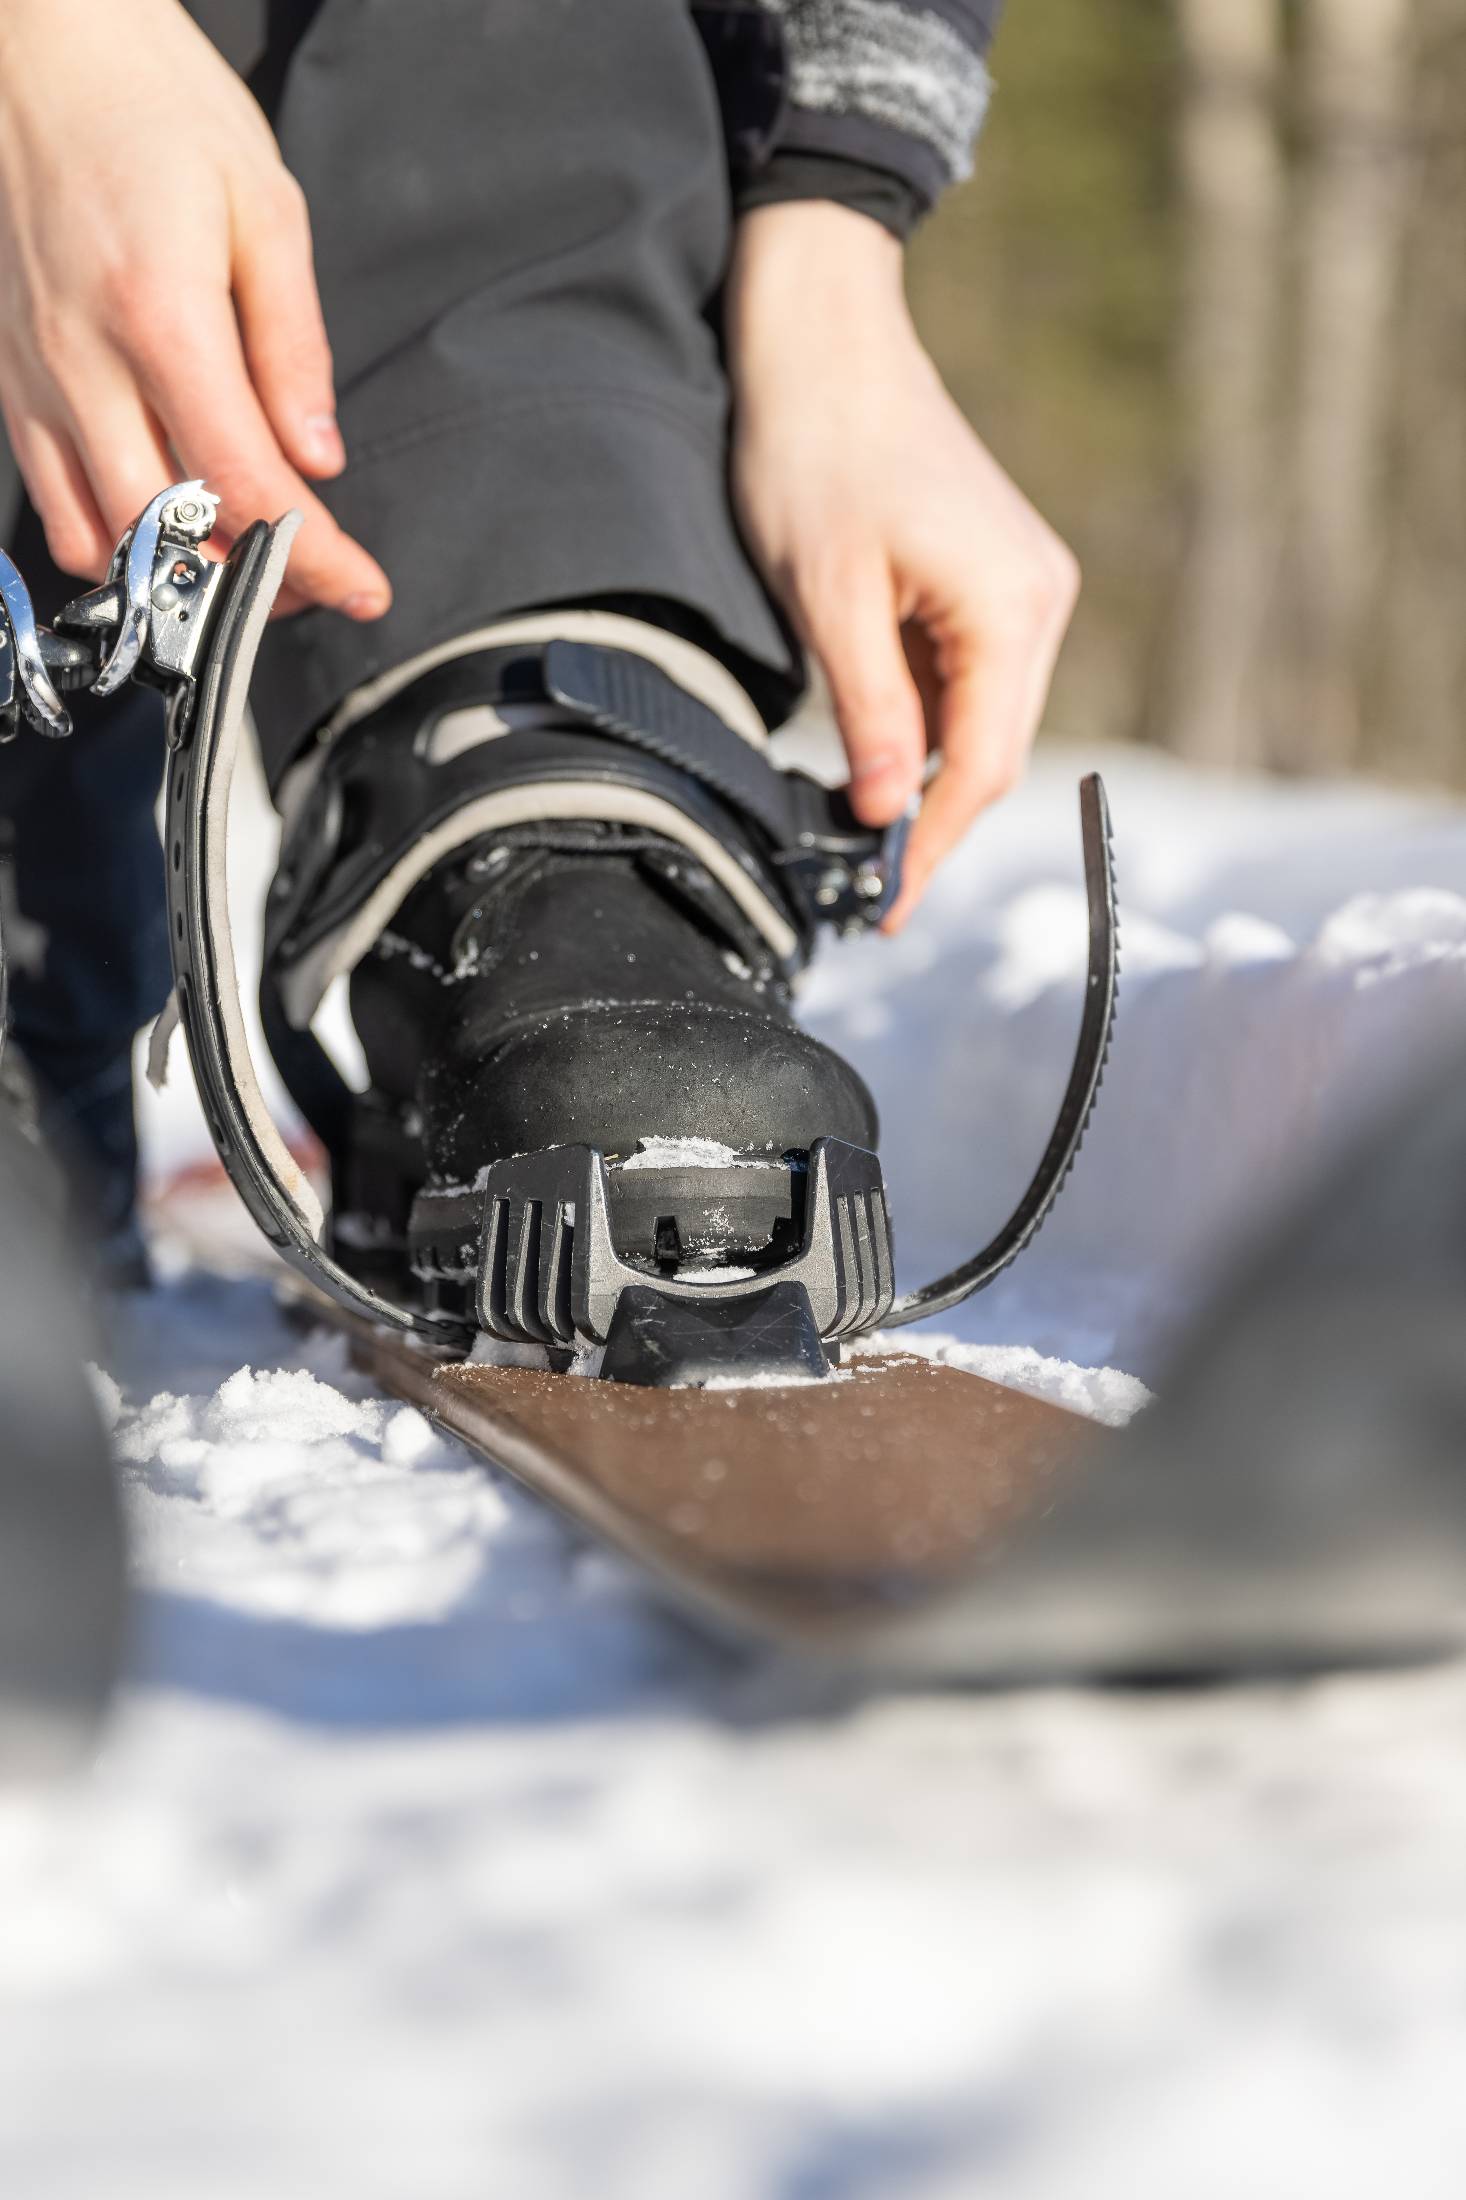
{"points": [[158, 306]]}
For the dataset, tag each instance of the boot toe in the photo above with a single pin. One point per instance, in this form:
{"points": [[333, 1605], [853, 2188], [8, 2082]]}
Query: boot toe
{"points": [[613, 1075]]}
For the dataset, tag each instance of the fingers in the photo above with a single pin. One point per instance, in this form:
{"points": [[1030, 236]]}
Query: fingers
{"points": [[982, 754], [123, 450], [850, 622], [194, 375], [996, 678], [284, 333], [57, 485]]}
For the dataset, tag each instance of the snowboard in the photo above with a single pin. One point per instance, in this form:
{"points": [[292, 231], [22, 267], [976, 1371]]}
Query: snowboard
{"points": [[809, 1515], [1294, 1501]]}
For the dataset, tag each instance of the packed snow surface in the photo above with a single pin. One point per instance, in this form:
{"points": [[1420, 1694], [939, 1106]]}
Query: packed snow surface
{"points": [[428, 1860]]}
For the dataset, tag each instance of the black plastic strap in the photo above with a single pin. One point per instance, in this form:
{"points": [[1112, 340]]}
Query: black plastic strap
{"points": [[634, 701], [624, 721], [836, 869], [1095, 1032], [393, 797]]}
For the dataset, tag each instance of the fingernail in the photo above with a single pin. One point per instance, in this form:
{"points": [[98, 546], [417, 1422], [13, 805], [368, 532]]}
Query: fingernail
{"points": [[364, 603], [323, 439], [871, 767]]}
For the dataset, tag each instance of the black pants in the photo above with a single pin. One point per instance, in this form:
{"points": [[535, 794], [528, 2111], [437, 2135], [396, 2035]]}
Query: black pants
{"points": [[521, 217]]}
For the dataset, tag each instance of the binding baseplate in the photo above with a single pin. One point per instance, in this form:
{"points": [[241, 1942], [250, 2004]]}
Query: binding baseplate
{"points": [[539, 1250]]}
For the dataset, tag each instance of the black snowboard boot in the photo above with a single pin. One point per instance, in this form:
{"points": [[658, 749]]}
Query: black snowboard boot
{"points": [[573, 901]]}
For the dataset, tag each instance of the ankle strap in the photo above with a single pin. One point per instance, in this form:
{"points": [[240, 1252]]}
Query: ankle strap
{"points": [[576, 731]]}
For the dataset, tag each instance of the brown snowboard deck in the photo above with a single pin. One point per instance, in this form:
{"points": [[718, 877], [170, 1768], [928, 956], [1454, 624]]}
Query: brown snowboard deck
{"points": [[807, 1513]]}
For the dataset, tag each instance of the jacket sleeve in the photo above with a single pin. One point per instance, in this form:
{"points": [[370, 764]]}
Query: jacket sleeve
{"points": [[894, 85], [874, 103]]}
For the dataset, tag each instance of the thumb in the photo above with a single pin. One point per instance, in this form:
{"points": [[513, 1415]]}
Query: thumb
{"points": [[857, 639]]}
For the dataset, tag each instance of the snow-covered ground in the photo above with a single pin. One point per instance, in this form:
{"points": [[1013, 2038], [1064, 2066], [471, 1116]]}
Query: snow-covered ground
{"points": [[426, 1860]]}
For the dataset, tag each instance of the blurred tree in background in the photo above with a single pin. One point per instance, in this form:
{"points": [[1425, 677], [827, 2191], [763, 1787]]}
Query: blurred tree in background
{"points": [[1206, 298]]}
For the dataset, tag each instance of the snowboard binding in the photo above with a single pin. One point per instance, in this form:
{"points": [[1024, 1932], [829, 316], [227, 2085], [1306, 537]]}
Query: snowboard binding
{"points": [[562, 1244]]}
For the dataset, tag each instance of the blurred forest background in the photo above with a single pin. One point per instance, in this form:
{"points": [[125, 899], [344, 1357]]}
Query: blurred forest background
{"points": [[1206, 299]]}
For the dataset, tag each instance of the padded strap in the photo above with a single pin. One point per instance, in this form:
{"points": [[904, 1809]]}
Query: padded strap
{"points": [[702, 675], [834, 869], [631, 699], [573, 730]]}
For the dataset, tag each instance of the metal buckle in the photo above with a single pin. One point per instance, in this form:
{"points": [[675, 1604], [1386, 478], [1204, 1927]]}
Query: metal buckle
{"points": [[848, 879], [25, 682], [181, 517]]}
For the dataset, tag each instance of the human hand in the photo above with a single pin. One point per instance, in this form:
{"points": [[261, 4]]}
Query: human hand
{"points": [[933, 595], [158, 306]]}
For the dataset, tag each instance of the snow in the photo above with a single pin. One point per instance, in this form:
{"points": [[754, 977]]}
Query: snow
{"points": [[1103, 1394], [427, 1858], [686, 1153]]}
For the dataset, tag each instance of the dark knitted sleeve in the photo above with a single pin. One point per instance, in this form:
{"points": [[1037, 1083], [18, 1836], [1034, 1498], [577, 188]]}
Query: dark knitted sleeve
{"points": [[899, 87]]}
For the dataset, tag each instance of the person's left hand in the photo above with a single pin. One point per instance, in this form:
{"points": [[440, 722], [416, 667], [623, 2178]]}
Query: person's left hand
{"points": [[933, 595]]}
